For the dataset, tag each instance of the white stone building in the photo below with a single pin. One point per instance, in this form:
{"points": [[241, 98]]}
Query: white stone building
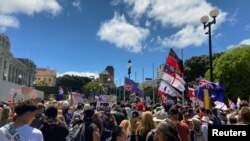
{"points": [[16, 70]]}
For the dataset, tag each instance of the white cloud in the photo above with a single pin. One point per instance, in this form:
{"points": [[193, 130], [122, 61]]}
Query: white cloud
{"points": [[77, 4], [84, 74], [29, 7], [139, 6], [124, 35], [8, 21], [189, 35], [185, 16], [9, 9], [232, 19], [243, 43]]}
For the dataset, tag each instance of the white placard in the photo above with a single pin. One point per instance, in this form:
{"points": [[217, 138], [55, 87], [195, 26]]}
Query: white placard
{"points": [[105, 102]]}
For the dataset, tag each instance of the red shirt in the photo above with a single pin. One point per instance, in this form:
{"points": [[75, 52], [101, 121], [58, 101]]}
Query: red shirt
{"points": [[183, 131]]}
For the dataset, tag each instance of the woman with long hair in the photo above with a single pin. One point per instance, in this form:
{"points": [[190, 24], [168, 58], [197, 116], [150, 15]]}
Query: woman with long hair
{"points": [[146, 124]]}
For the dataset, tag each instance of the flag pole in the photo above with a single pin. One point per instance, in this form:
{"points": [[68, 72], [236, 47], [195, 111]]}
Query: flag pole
{"points": [[182, 76], [144, 97], [124, 91]]}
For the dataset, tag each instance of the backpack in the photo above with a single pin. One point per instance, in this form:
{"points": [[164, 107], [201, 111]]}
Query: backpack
{"points": [[197, 136], [77, 133]]}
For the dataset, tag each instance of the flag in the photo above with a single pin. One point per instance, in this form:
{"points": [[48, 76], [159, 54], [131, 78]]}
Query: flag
{"points": [[166, 88], [173, 81], [191, 92], [215, 90], [133, 87], [174, 61], [231, 104], [163, 98], [168, 69], [129, 84], [206, 99], [238, 103], [60, 94], [220, 105]]}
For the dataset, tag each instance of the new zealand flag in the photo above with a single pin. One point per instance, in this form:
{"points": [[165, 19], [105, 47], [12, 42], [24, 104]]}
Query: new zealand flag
{"points": [[133, 87]]}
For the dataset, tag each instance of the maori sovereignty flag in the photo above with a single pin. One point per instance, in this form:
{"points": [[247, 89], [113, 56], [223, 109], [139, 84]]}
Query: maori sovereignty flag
{"points": [[174, 61]]}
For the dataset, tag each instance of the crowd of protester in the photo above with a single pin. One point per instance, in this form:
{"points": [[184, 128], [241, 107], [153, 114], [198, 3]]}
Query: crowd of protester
{"points": [[54, 120]]}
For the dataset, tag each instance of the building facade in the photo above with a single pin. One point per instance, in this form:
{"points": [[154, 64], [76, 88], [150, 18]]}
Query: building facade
{"points": [[45, 77], [106, 78], [160, 70], [16, 70]]}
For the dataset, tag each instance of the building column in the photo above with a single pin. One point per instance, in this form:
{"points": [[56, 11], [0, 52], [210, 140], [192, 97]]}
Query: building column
{"points": [[10, 73], [1, 67]]}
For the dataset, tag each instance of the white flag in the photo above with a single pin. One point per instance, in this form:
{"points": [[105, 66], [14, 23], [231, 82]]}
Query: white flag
{"points": [[175, 81], [220, 105], [168, 89]]}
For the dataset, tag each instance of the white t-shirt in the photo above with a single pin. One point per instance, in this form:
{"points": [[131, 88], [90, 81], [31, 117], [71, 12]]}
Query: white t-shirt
{"points": [[26, 132]]}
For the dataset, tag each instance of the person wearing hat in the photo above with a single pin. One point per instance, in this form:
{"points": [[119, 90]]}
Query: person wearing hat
{"points": [[20, 129], [204, 127], [160, 116]]}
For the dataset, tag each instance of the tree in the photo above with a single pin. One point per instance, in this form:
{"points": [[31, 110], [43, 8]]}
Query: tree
{"points": [[72, 82], [91, 88], [232, 69], [196, 67]]}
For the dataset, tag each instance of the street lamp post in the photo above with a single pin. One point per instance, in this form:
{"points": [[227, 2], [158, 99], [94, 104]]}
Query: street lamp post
{"points": [[20, 79], [5, 76], [214, 13], [129, 68], [108, 86]]}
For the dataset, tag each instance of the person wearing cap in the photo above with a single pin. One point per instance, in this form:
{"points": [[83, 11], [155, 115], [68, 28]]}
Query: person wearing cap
{"points": [[20, 129], [182, 128], [196, 133], [204, 127]]}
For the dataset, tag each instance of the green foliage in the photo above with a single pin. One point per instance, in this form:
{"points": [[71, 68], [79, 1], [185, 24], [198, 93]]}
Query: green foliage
{"points": [[42, 83], [72, 82], [92, 88], [232, 69], [196, 67]]}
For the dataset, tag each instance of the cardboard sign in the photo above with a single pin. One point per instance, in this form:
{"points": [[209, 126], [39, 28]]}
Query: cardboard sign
{"points": [[105, 102]]}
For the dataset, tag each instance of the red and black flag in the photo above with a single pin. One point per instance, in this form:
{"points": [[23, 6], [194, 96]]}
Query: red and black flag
{"points": [[174, 61]]}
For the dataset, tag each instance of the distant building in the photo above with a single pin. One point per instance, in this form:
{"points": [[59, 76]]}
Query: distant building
{"points": [[45, 77], [106, 78], [160, 71], [16, 70]]}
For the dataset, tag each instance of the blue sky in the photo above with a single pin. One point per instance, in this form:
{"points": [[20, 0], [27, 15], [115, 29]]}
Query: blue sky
{"points": [[84, 36]]}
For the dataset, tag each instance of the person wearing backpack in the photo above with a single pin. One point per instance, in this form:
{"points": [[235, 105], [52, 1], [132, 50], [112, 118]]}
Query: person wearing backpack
{"points": [[86, 130]]}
